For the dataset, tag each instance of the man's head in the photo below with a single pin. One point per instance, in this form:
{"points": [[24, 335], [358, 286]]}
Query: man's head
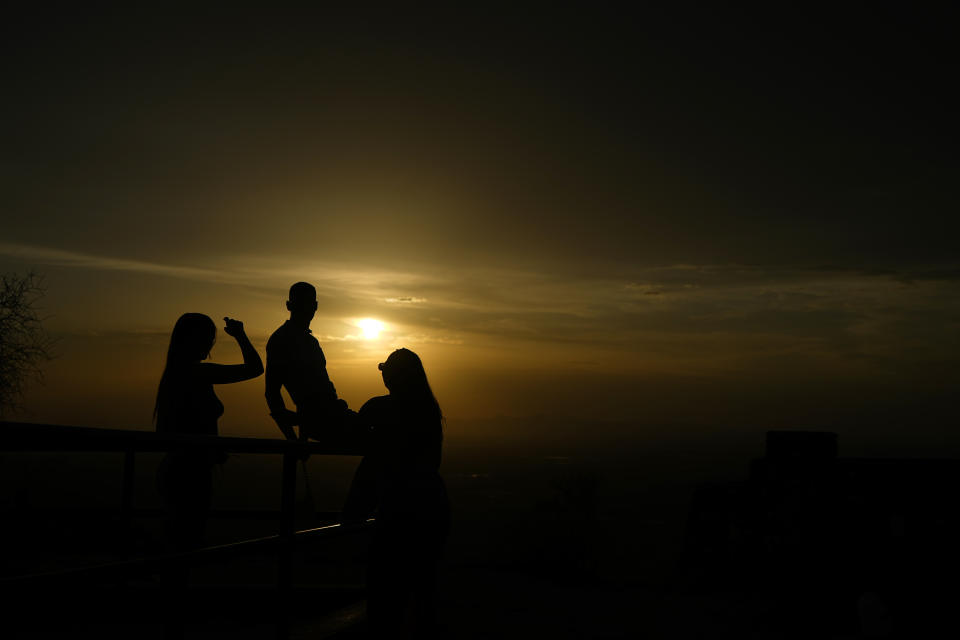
{"points": [[302, 300]]}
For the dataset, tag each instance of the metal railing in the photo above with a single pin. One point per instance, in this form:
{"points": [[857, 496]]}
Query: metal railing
{"points": [[29, 437]]}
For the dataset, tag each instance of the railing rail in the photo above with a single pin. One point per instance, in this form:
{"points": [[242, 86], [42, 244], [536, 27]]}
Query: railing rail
{"points": [[126, 568], [25, 436], [29, 437]]}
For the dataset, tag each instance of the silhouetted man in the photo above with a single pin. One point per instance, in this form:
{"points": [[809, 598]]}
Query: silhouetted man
{"points": [[296, 361]]}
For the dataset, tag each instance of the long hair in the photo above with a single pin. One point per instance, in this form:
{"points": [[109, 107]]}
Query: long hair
{"points": [[404, 376], [191, 340]]}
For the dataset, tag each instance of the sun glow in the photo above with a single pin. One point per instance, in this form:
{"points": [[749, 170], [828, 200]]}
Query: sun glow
{"points": [[371, 328]]}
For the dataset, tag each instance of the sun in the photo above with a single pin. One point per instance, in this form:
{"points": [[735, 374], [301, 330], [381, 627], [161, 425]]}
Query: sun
{"points": [[371, 328]]}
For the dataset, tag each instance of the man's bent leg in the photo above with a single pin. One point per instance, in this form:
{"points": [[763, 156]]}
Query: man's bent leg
{"points": [[340, 428]]}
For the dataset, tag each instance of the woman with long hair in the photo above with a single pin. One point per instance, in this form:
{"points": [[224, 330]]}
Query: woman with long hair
{"points": [[186, 404], [399, 479]]}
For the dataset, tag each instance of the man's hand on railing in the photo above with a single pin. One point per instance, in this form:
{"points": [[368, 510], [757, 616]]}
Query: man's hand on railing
{"points": [[304, 439]]}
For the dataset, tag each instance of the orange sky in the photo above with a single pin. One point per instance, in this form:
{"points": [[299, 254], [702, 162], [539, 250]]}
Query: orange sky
{"points": [[723, 345]]}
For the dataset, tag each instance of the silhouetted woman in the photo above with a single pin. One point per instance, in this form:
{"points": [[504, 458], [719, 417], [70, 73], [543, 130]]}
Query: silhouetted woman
{"points": [[186, 404], [399, 477]]}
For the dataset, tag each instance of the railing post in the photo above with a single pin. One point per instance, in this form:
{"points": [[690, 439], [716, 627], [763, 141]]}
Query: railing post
{"points": [[126, 500], [285, 559]]}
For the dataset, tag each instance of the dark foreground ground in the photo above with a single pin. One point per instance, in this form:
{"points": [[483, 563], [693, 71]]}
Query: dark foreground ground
{"points": [[571, 545]]}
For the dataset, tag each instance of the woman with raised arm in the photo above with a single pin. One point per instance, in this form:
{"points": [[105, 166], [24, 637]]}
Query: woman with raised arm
{"points": [[399, 479], [187, 404]]}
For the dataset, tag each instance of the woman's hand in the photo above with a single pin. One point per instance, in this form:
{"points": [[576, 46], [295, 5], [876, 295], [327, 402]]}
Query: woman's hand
{"points": [[226, 373], [233, 327]]}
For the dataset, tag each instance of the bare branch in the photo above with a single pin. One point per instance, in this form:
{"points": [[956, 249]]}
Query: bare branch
{"points": [[24, 343]]}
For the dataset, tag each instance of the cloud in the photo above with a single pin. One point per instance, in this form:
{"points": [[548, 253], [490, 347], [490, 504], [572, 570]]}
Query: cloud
{"points": [[707, 316], [265, 275], [346, 338], [422, 338], [405, 300], [683, 310], [58, 257]]}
